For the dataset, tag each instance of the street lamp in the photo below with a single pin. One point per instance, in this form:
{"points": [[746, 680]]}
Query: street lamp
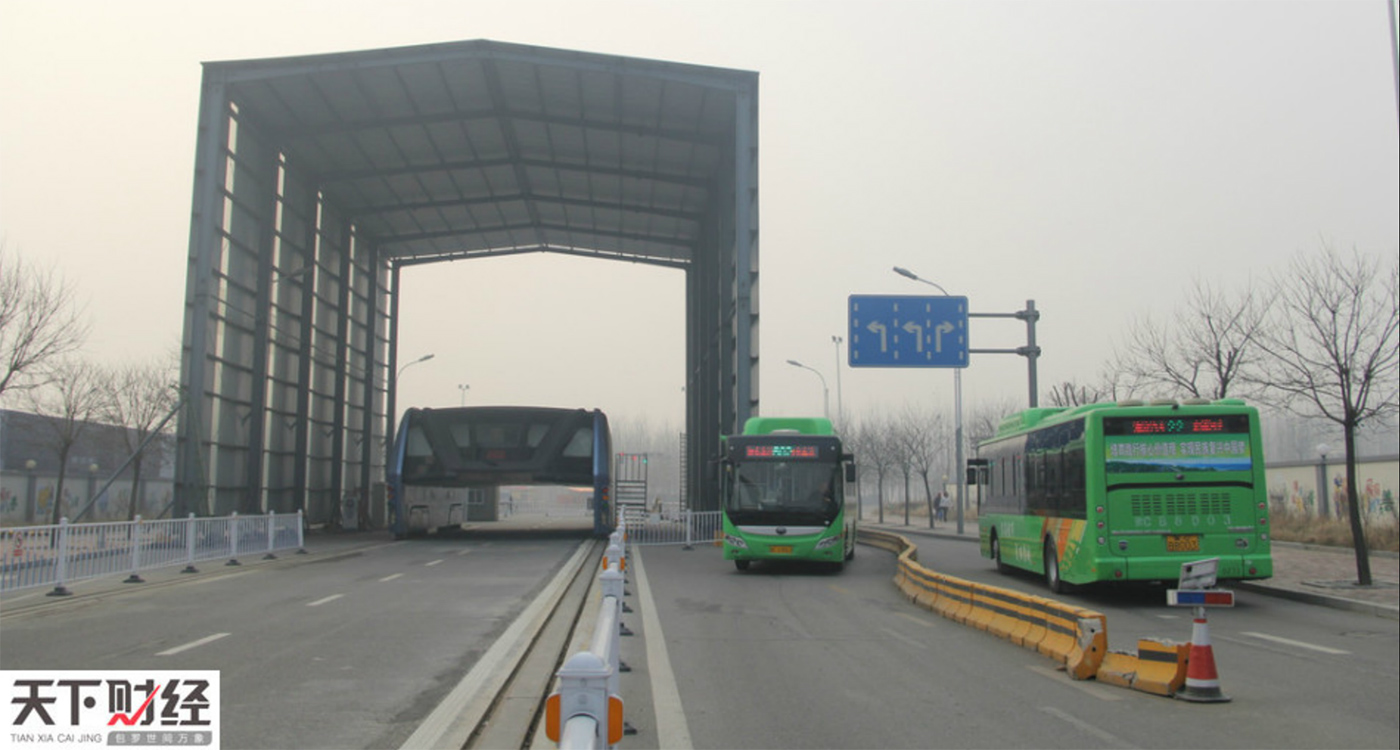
{"points": [[826, 395], [840, 411], [423, 358], [957, 409], [464, 388]]}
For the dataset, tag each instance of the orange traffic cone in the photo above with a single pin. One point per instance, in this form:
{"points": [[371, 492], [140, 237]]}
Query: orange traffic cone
{"points": [[1202, 682]]}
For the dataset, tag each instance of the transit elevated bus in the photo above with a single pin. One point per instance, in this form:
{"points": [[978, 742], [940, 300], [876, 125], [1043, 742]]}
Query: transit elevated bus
{"points": [[442, 456], [1125, 491], [783, 485]]}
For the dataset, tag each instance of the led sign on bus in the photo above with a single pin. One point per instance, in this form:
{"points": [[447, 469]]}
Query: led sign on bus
{"points": [[1176, 444], [1174, 426], [1234, 423], [780, 451]]}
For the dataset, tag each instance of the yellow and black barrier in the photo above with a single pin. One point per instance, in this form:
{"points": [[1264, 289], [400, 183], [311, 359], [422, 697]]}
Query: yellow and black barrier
{"points": [[1158, 667], [1071, 635]]}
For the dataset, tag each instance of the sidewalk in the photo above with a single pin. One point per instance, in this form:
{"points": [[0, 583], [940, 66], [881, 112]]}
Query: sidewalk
{"points": [[1308, 573]]}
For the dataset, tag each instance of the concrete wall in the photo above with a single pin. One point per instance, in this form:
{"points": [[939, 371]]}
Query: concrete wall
{"points": [[1296, 487], [21, 491]]}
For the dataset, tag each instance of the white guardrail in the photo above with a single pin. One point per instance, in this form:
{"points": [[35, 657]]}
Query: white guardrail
{"points": [[586, 711], [687, 527], [56, 555]]}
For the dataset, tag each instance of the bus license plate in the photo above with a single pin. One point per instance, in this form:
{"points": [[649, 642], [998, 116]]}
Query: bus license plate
{"points": [[781, 550], [1183, 542]]}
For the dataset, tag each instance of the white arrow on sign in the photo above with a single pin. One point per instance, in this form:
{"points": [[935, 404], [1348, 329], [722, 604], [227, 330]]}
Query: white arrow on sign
{"points": [[918, 332], [942, 328], [877, 327]]}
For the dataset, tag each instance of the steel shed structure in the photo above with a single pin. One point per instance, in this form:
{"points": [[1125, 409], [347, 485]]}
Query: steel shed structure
{"points": [[318, 177]]}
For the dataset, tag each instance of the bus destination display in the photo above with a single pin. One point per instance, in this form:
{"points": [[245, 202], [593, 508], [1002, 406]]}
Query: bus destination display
{"points": [[1233, 423], [780, 451]]}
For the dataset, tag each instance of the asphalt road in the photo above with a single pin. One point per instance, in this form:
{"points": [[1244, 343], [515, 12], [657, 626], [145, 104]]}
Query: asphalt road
{"points": [[349, 651], [356, 650], [791, 657]]}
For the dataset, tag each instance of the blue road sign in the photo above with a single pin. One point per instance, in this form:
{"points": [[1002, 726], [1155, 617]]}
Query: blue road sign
{"points": [[905, 331]]}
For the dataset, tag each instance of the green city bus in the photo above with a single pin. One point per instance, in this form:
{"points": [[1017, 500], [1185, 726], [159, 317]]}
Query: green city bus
{"points": [[784, 486], [1125, 491]]}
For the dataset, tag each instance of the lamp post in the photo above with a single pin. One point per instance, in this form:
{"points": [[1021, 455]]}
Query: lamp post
{"points": [[423, 358], [1324, 505], [464, 388], [826, 395], [957, 409], [840, 410]]}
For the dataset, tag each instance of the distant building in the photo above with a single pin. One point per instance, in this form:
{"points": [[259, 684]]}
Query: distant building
{"points": [[29, 468]]}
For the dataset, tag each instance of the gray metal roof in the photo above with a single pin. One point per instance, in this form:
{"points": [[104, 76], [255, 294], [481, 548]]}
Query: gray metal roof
{"points": [[471, 148]]}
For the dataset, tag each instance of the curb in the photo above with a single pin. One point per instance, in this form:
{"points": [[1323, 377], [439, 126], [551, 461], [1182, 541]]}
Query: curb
{"points": [[1387, 611]]}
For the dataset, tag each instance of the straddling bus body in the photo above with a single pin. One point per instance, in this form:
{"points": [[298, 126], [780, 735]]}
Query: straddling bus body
{"points": [[1125, 491]]}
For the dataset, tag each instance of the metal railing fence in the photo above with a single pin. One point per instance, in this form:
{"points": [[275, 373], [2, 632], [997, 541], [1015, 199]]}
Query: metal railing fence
{"points": [[684, 527], [59, 554]]}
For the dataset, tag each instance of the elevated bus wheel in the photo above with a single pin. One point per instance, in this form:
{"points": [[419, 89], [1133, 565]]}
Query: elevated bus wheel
{"points": [[1052, 568]]}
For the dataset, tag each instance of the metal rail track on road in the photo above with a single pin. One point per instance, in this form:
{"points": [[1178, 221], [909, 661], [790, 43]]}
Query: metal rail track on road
{"points": [[499, 701], [519, 706]]}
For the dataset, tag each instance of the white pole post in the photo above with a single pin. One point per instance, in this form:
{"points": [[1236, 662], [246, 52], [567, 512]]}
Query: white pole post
{"points": [[233, 540], [135, 577], [62, 573], [271, 526], [190, 528]]}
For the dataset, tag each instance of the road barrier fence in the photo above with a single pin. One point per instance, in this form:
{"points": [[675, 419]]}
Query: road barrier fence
{"points": [[59, 554], [687, 527]]}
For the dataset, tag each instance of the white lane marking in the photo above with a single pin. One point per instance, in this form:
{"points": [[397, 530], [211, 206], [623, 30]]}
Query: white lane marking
{"points": [[921, 620], [904, 638], [432, 563], [1084, 726], [319, 602], [463, 552], [672, 731], [1169, 617], [390, 578], [192, 644], [1299, 644], [1092, 688]]}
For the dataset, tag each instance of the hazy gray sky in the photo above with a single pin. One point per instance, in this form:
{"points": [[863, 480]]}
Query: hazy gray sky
{"points": [[1091, 156]]}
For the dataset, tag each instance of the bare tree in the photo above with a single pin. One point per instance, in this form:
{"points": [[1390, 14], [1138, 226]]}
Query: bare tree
{"points": [[1332, 351], [139, 397], [1071, 393], [72, 400], [40, 321], [926, 441], [1205, 348], [984, 420], [872, 448]]}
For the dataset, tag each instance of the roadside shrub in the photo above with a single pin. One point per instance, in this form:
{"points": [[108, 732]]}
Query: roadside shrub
{"points": [[1382, 533]]}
